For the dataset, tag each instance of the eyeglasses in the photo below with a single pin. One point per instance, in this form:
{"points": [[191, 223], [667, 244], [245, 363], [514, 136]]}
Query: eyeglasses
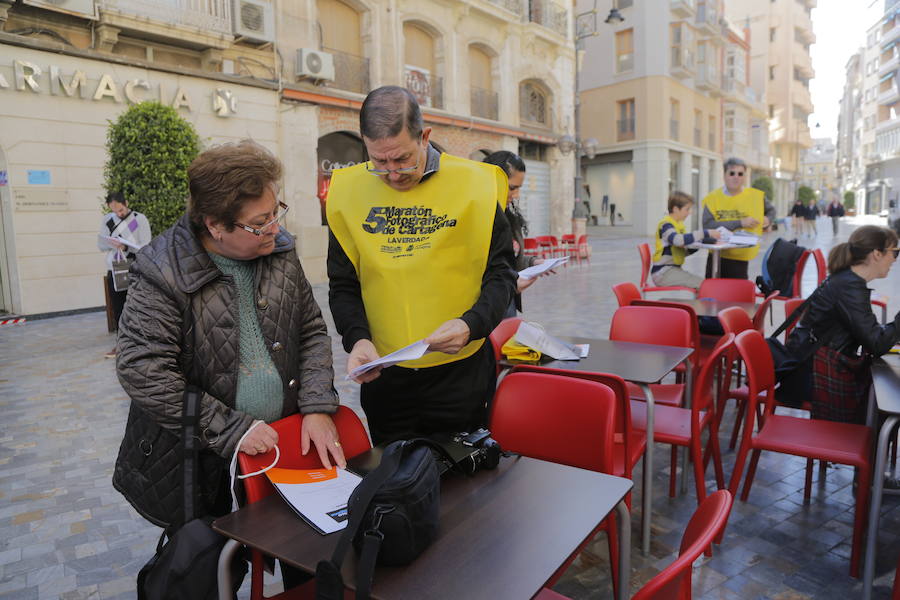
{"points": [[401, 171], [895, 250], [736, 173], [282, 210]]}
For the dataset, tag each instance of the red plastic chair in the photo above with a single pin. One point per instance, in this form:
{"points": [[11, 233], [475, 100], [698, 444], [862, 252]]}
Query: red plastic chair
{"points": [[565, 420], [646, 255], [840, 443], [759, 317], [549, 246], [628, 443], [674, 582], [685, 426], [790, 306], [501, 334], [895, 594], [583, 248], [530, 247], [354, 440], [626, 292], [568, 246], [733, 290], [821, 266]]}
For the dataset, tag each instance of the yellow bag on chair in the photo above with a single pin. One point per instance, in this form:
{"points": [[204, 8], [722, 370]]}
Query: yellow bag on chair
{"points": [[514, 350]]}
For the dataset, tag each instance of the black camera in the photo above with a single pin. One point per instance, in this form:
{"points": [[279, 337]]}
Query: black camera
{"points": [[484, 452]]}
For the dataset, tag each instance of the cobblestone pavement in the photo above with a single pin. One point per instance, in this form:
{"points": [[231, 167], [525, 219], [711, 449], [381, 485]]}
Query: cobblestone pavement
{"points": [[66, 533]]}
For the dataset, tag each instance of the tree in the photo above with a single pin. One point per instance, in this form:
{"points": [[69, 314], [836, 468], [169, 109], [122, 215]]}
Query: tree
{"points": [[849, 200], [150, 147], [764, 184], [805, 194]]}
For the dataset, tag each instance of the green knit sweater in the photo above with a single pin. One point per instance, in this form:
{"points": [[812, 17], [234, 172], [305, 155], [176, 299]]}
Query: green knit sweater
{"points": [[259, 388]]}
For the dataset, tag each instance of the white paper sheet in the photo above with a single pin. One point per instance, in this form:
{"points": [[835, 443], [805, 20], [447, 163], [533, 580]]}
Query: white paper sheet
{"points": [[320, 496], [535, 337], [411, 352], [549, 263], [121, 240]]}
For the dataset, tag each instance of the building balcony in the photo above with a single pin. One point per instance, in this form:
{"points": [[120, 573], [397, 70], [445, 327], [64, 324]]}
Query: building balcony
{"points": [[707, 20], [550, 15], [802, 62], [889, 95], [707, 79], [734, 89], [428, 89], [513, 6], [194, 23], [683, 8], [682, 62], [351, 72], [889, 62], [886, 125], [484, 103], [890, 33]]}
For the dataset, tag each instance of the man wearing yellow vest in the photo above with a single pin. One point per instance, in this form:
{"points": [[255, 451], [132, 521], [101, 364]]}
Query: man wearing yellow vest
{"points": [[735, 207], [419, 249]]}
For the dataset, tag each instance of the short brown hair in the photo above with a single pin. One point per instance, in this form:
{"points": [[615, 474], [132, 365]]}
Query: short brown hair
{"points": [[861, 243], [222, 178], [679, 200], [389, 110]]}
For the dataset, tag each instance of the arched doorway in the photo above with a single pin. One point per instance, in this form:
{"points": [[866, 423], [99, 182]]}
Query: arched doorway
{"points": [[335, 151]]}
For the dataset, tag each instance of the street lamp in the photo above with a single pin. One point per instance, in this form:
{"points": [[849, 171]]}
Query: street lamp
{"points": [[614, 17]]}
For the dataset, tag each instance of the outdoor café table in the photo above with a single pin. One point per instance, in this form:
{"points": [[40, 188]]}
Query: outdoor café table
{"points": [[885, 396], [714, 250], [503, 534], [641, 364], [710, 307]]}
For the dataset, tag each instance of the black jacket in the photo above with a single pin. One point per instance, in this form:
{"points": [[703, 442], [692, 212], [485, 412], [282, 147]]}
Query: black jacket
{"points": [[841, 310]]}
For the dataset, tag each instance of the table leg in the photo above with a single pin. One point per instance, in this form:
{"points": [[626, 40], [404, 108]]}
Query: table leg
{"points": [[688, 400], [623, 519], [223, 573], [716, 263], [647, 493], [875, 506]]}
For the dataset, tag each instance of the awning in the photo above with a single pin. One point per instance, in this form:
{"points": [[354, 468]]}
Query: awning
{"points": [[889, 46], [888, 76]]}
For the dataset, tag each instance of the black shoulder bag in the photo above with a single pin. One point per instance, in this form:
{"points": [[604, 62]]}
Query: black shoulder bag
{"points": [[185, 566], [393, 516]]}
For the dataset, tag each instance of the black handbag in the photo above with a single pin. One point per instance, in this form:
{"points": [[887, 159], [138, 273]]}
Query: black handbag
{"points": [[185, 566], [393, 516]]}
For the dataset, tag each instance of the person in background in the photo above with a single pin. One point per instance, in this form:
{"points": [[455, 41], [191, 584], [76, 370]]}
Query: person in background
{"points": [[835, 210], [120, 223], [612, 214], [840, 315], [514, 167], [798, 211], [671, 241], [810, 212], [734, 207]]}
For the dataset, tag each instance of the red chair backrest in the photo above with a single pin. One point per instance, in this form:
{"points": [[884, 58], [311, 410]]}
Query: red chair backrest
{"points": [[735, 320], [568, 238], [695, 323], [798, 273], [709, 520], [735, 290], [821, 265], [644, 251], [501, 334], [716, 370], [661, 325], [626, 292], [759, 317], [582, 239], [530, 243], [754, 351], [790, 305], [351, 432], [559, 419]]}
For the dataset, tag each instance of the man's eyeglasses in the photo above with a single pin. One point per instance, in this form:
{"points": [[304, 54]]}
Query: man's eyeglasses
{"points": [[401, 171], [282, 210], [736, 173], [896, 252]]}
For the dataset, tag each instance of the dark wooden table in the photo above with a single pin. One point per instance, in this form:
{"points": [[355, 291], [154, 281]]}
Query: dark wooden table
{"points": [[503, 533], [642, 364], [885, 397], [710, 307]]}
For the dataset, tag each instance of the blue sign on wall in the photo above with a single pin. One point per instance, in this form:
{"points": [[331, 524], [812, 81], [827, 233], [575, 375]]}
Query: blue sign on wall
{"points": [[36, 177], [4, 178]]}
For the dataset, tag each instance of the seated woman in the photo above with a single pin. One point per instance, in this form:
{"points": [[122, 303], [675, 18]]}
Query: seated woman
{"points": [[840, 314], [219, 301]]}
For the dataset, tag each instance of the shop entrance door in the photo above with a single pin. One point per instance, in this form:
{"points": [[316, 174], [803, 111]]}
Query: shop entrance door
{"points": [[534, 199]]}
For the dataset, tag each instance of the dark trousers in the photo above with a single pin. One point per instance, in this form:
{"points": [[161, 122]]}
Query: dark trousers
{"points": [[404, 403], [116, 299], [728, 268]]}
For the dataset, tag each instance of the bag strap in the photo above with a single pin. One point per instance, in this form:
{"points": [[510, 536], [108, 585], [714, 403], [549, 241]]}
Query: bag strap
{"points": [[190, 420], [798, 311]]}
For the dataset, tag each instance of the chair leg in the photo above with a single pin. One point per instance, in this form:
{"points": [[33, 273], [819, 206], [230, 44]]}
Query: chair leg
{"points": [[751, 473], [699, 471], [738, 420], [859, 520], [715, 450], [673, 470], [807, 487]]}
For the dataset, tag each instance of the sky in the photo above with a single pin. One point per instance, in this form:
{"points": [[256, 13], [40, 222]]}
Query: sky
{"points": [[840, 27]]}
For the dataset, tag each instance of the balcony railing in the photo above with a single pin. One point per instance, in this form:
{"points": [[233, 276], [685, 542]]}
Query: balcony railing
{"points": [[697, 136], [513, 6], [682, 60], [428, 89], [673, 129], [209, 15], [683, 8], [707, 17], [484, 103], [550, 15], [351, 72], [625, 130]]}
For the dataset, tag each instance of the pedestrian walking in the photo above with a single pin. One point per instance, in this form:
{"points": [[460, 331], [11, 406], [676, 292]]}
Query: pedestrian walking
{"points": [[835, 210]]}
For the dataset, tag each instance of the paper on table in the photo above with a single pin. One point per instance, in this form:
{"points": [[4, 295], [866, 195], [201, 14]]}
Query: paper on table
{"points": [[550, 263], [535, 337], [320, 496], [121, 240], [411, 352]]}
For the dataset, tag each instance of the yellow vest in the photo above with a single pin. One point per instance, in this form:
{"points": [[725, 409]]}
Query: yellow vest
{"points": [[419, 254], [749, 203], [678, 252]]}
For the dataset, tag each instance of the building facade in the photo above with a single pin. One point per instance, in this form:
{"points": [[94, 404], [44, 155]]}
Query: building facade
{"points": [[848, 159], [818, 172], [490, 76]]}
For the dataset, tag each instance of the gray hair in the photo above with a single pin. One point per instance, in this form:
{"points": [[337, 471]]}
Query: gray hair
{"points": [[387, 111], [734, 162]]}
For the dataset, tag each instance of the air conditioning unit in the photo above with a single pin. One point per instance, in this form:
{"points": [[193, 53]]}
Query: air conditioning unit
{"points": [[315, 64], [254, 20], [79, 8]]}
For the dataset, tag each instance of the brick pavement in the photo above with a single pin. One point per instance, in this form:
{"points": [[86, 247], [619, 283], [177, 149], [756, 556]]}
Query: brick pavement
{"points": [[66, 533]]}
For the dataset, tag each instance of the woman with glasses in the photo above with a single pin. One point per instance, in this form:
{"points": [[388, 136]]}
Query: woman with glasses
{"points": [[219, 301], [840, 317]]}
